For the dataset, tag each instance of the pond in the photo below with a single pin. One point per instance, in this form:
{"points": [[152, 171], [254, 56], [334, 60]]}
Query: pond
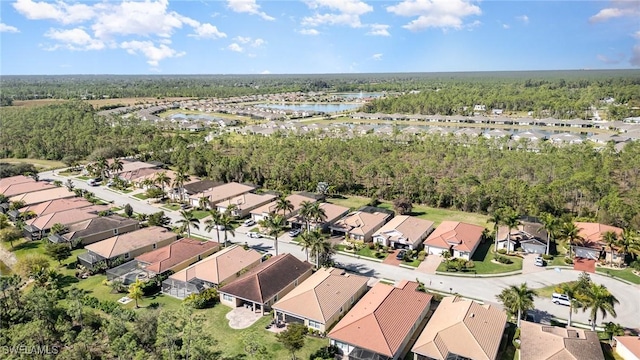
{"points": [[325, 108]]}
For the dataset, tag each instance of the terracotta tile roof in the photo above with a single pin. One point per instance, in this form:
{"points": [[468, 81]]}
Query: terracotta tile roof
{"points": [[322, 295], [166, 257], [592, 232], [462, 327], [542, 342], [332, 211], [135, 175], [220, 266], [5, 182], [97, 225], [66, 217], [360, 222], [50, 206], [383, 318], [524, 231], [124, 243], [296, 201], [462, 236], [43, 195], [222, 192], [25, 187], [631, 343], [200, 186], [247, 201], [405, 227], [266, 280]]}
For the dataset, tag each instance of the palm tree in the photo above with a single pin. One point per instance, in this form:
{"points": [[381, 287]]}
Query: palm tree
{"points": [[610, 238], [512, 221], [15, 205], [57, 228], [187, 221], [214, 222], [569, 232], [116, 166], [317, 213], [203, 202], [162, 179], [306, 240], [550, 225], [573, 291], [629, 242], [102, 167], [226, 222], [274, 223], [135, 291], [179, 180], [320, 248], [496, 219], [283, 204], [70, 185], [4, 221], [598, 299], [305, 215], [517, 299]]}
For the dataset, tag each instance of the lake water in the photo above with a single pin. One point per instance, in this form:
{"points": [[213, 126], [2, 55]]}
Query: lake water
{"points": [[325, 108]]}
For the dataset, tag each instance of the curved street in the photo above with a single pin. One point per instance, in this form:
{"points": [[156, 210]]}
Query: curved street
{"points": [[485, 289]]}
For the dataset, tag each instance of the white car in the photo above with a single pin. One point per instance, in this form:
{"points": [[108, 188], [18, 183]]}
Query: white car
{"points": [[249, 222], [560, 299], [254, 235], [539, 261]]}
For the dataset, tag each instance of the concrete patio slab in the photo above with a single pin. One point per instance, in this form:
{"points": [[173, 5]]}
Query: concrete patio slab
{"points": [[242, 318]]}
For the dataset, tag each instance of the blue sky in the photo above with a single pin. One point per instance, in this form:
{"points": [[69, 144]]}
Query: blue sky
{"points": [[315, 36]]}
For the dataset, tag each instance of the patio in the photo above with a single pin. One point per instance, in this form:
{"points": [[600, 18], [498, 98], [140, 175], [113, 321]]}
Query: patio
{"points": [[242, 317]]}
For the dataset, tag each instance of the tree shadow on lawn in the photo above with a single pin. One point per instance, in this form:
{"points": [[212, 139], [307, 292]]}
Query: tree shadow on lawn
{"points": [[26, 246], [359, 269], [482, 251], [67, 280], [417, 213]]}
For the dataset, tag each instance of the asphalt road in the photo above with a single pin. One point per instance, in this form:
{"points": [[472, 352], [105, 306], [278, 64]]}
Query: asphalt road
{"points": [[485, 289]]}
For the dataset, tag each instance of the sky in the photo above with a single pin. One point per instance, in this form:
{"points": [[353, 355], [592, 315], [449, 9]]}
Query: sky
{"points": [[315, 36]]}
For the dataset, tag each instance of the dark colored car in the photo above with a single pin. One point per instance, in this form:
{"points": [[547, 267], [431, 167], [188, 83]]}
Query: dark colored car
{"points": [[400, 255]]}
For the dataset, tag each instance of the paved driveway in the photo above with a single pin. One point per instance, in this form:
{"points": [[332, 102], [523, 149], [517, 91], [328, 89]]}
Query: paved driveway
{"points": [[529, 266], [430, 264]]}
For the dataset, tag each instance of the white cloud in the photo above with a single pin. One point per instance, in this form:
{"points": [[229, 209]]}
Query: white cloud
{"points": [[505, 26], [445, 14], [235, 47], [138, 18], [58, 11], [617, 59], [207, 31], [312, 32], [258, 42], [636, 35], [249, 41], [265, 72], [377, 56], [242, 39], [342, 12], [74, 39], [8, 28], [635, 56], [153, 53], [620, 9], [523, 19], [379, 30], [249, 7]]}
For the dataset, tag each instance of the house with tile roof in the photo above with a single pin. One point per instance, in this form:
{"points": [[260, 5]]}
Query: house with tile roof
{"points": [[381, 325], [592, 245], [125, 247], [545, 342], [220, 268], [48, 207], [296, 200], [628, 347], [460, 239], [360, 225], [18, 179], [41, 196], [530, 236], [461, 329], [221, 193], [25, 187], [242, 205], [37, 228], [263, 285], [319, 301], [96, 229], [333, 213], [403, 231]]}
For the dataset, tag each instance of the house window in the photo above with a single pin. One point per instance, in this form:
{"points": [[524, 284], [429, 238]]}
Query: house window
{"points": [[295, 283], [227, 297], [155, 246], [314, 325], [275, 298], [341, 309], [352, 300], [115, 231], [127, 255]]}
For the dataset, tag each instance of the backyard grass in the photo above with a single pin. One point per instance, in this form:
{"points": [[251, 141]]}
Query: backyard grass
{"points": [[46, 164], [625, 274], [483, 264], [141, 196]]}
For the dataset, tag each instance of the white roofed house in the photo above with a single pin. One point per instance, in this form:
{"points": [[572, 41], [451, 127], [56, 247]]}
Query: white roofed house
{"points": [[403, 232], [242, 205]]}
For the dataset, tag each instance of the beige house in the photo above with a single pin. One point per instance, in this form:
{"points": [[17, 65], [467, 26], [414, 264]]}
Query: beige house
{"points": [[628, 347], [593, 245], [126, 246], [41, 196], [18, 179], [382, 323], [403, 232], [213, 271], [296, 200], [461, 329], [545, 342], [333, 213], [51, 206], [221, 193], [263, 285], [243, 204], [461, 239], [360, 225], [25, 187], [96, 229], [36, 228], [321, 299]]}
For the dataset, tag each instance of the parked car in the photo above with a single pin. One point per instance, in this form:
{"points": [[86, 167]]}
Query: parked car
{"points": [[249, 222], [186, 206], [294, 232], [400, 255], [560, 299], [254, 235], [539, 261], [93, 182]]}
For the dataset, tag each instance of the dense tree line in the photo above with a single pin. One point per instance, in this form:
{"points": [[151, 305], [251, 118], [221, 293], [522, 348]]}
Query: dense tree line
{"points": [[70, 130], [439, 171]]}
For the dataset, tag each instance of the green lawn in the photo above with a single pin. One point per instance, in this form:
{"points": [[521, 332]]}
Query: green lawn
{"points": [[171, 207], [364, 251], [141, 196], [625, 274], [436, 215], [200, 214], [414, 263], [83, 177], [115, 209], [546, 291], [47, 164], [483, 264]]}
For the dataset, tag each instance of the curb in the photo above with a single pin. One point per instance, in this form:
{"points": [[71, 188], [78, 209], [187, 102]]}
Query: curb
{"points": [[511, 273], [407, 266], [359, 256]]}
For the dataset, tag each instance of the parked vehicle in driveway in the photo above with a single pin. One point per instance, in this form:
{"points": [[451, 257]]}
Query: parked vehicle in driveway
{"points": [[294, 232], [254, 235], [539, 261], [560, 299], [400, 255], [249, 222]]}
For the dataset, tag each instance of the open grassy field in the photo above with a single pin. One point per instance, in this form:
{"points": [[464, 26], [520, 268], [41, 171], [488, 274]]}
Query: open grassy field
{"points": [[421, 211], [38, 163]]}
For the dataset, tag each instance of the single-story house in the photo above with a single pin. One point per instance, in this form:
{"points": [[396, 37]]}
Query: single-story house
{"points": [[381, 325], [18, 179], [403, 231], [244, 204], [173, 257], [460, 239], [332, 212], [37, 228], [51, 206], [263, 285], [628, 347], [321, 299], [126, 246], [296, 200], [461, 329], [200, 186], [592, 245], [96, 229], [221, 193], [360, 225], [41, 196], [25, 187], [542, 342], [220, 268], [530, 236]]}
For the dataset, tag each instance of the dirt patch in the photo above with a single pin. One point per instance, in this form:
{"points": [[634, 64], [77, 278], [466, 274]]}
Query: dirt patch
{"points": [[8, 258]]}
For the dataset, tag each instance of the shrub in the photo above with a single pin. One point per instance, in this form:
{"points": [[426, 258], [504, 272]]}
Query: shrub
{"points": [[205, 299], [503, 259], [635, 265], [327, 352], [516, 335], [470, 264], [547, 257], [372, 245], [502, 251], [421, 255], [568, 261]]}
